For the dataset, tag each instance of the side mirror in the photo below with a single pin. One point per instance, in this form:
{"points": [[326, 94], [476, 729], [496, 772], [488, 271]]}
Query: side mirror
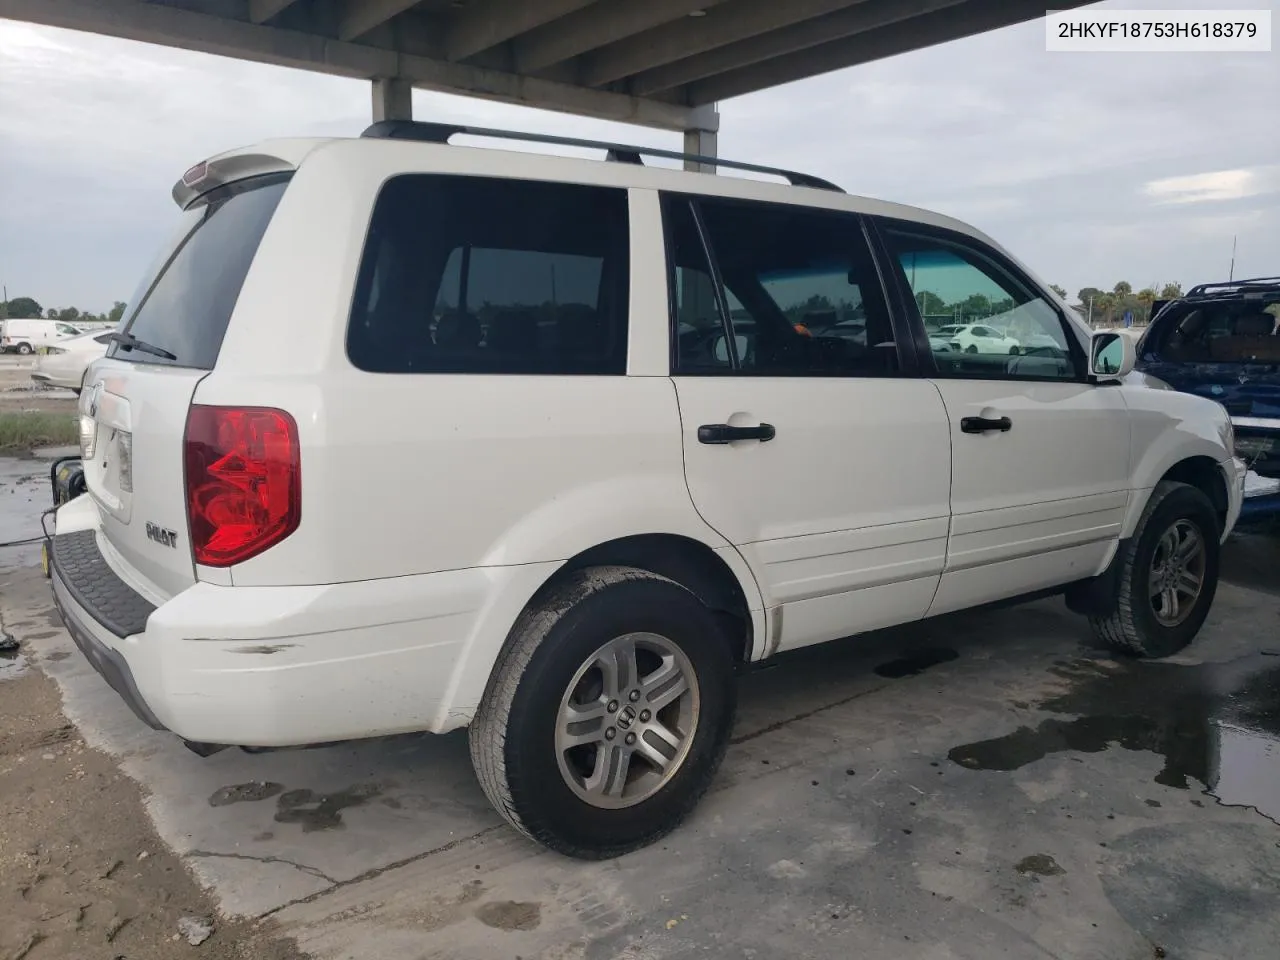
{"points": [[1111, 356], [721, 349]]}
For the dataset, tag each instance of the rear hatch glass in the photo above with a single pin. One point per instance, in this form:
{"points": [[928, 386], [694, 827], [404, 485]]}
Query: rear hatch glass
{"points": [[1227, 350], [134, 407], [187, 300]]}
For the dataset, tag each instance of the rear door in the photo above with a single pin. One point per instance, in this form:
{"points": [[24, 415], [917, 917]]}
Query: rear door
{"points": [[135, 402], [1040, 456], [815, 455]]}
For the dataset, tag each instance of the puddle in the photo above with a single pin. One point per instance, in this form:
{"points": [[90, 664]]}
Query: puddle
{"points": [[12, 664], [915, 662], [249, 792], [24, 493], [1215, 724], [322, 811]]}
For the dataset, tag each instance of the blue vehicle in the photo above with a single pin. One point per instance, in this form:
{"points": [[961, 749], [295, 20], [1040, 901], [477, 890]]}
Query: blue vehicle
{"points": [[1222, 341]]}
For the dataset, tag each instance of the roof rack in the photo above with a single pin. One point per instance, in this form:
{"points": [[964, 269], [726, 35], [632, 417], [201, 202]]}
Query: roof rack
{"points": [[1211, 289], [615, 152]]}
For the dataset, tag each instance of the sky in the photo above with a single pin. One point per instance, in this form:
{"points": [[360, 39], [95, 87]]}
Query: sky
{"points": [[1090, 167]]}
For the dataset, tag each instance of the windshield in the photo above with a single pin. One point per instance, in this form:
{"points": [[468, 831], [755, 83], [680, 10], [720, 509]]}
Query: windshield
{"points": [[185, 309]]}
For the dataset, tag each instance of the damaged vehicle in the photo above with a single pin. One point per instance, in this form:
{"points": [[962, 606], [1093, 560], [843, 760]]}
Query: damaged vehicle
{"points": [[403, 435], [1222, 341]]}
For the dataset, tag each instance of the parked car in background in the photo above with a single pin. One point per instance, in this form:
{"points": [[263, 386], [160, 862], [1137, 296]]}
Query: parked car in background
{"points": [[941, 338], [631, 472], [63, 364], [981, 338], [1222, 341], [25, 336]]}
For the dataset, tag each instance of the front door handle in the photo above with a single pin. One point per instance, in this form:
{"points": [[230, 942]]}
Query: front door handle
{"points": [[723, 433], [983, 424]]}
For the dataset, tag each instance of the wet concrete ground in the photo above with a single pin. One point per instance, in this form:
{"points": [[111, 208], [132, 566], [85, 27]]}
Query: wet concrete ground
{"points": [[986, 785]]}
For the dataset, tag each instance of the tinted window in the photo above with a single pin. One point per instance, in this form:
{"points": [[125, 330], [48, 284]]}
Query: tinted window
{"points": [[472, 275], [1022, 336], [187, 309], [800, 291], [1231, 331]]}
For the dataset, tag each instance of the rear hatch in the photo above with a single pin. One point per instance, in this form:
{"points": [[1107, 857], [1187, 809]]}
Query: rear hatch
{"points": [[136, 400], [1227, 350]]}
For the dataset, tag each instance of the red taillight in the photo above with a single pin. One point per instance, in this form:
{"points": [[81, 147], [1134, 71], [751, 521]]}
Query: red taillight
{"points": [[244, 481]]}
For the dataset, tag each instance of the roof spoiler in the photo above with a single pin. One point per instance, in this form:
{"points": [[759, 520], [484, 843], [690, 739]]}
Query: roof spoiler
{"points": [[219, 171]]}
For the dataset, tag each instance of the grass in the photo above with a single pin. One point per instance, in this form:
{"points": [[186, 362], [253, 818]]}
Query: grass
{"points": [[23, 432]]}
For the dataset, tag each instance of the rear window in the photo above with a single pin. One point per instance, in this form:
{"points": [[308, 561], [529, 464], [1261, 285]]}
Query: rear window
{"points": [[474, 275], [185, 309], [1229, 331]]}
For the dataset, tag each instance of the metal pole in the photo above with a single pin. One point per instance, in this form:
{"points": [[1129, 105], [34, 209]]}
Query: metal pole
{"points": [[1232, 275]]}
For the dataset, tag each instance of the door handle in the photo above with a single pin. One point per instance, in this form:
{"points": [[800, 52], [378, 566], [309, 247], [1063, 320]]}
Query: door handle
{"points": [[983, 424], [723, 433]]}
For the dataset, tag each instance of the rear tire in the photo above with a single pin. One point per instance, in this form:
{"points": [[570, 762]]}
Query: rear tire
{"points": [[572, 798], [971, 348], [1155, 616], [24, 349]]}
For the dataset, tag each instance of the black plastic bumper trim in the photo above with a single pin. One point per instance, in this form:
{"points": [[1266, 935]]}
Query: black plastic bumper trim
{"points": [[110, 665], [120, 609]]}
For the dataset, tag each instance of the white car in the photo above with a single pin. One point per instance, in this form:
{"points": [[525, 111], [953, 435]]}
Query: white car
{"points": [[490, 488], [941, 338], [25, 336], [979, 338], [64, 363]]}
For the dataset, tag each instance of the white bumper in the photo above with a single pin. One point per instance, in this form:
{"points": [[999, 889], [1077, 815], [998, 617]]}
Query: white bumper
{"points": [[284, 666], [1236, 472]]}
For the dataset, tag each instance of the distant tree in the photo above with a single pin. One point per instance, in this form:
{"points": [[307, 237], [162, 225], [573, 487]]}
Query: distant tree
{"points": [[69, 315], [930, 303], [1060, 291], [976, 305], [1122, 289], [21, 308], [1147, 295], [1171, 291], [117, 312], [51, 313], [1089, 293]]}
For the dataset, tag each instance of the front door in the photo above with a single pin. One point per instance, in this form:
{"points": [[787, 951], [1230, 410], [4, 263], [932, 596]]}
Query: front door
{"points": [[1040, 456], [805, 444]]}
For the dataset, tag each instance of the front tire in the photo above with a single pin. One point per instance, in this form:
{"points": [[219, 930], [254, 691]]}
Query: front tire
{"points": [[1168, 575], [971, 348], [607, 714]]}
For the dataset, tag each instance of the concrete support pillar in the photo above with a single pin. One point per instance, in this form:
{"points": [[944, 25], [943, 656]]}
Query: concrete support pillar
{"points": [[392, 99], [701, 138]]}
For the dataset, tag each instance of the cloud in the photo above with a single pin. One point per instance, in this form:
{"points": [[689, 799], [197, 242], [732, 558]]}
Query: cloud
{"points": [[1216, 186], [1090, 167]]}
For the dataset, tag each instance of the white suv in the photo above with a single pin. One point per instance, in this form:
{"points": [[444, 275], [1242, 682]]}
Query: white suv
{"points": [[410, 436]]}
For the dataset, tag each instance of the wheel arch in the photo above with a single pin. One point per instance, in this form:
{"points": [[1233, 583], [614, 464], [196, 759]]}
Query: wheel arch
{"points": [[1199, 470], [1205, 475], [694, 565]]}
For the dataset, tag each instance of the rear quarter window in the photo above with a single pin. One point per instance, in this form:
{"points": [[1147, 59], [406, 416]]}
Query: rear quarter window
{"points": [[477, 275], [185, 309]]}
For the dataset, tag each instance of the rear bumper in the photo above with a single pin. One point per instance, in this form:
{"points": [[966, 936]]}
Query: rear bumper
{"points": [[112, 667], [288, 666], [1258, 443]]}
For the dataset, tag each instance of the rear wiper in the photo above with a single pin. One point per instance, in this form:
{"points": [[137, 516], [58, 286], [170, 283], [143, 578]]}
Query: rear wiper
{"points": [[130, 342]]}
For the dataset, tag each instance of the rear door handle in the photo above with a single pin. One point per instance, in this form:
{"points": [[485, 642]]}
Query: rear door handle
{"points": [[983, 424], [723, 433]]}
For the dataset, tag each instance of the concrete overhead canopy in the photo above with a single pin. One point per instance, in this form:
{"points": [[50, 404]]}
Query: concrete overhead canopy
{"points": [[664, 63]]}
